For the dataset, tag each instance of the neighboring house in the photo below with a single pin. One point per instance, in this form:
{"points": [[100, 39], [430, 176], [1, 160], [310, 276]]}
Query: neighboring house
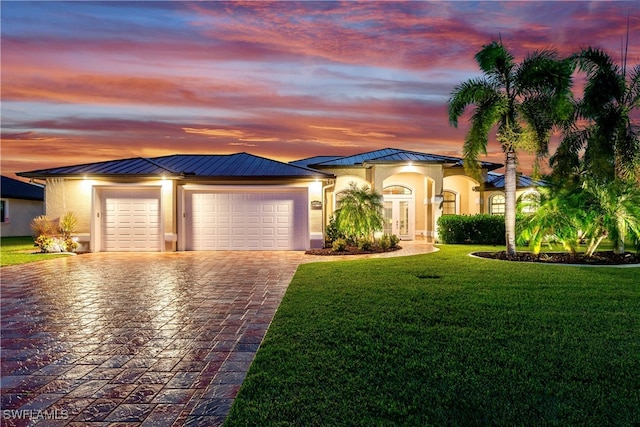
{"points": [[20, 202], [246, 202]]}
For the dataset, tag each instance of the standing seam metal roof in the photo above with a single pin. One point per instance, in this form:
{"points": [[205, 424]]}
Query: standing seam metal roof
{"points": [[392, 155], [224, 166]]}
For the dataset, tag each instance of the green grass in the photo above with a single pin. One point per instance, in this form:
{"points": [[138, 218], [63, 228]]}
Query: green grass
{"points": [[446, 339], [20, 250]]}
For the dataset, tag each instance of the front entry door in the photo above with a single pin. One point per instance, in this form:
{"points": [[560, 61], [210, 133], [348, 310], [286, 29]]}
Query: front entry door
{"points": [[398, 217]]}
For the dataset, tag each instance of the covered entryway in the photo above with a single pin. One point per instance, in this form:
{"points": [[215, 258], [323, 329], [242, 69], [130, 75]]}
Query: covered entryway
{"points": [[399, 210], [246, 218], [130, 220]]}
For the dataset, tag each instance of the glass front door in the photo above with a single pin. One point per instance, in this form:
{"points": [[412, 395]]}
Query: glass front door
{"points": [[398, 215]]}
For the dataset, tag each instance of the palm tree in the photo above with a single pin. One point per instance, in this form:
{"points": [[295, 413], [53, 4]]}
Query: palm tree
{"points": [[359, 214], [613, 211], [603, 139], [559, 217], [525, 101]]}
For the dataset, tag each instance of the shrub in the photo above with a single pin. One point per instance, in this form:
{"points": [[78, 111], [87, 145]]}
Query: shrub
{"points": [[50, 244], [384, 242], [43, 226], [332, 233], [339, 245], [55, 236], [68, 224], [474, 229], [394, 241], [364, 244]]}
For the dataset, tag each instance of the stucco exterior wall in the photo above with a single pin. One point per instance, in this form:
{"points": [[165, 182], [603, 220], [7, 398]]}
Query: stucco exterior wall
{"points": [[69, 195], [20, 214], [78, 196], [488, 194], [468, 200]]}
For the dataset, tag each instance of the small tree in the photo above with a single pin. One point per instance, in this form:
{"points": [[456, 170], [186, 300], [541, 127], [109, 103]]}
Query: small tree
{"points": [[359, 214], [614, 213], [558, 218]]}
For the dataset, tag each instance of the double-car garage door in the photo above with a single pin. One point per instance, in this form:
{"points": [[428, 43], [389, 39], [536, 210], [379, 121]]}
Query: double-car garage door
{"points": [[273, 219], [214, 219]]}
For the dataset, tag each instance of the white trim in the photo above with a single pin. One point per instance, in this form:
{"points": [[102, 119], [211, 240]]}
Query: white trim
{"points": [[490, 199], [411, 198]]}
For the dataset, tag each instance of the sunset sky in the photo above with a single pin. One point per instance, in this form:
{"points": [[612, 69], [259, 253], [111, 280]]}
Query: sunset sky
{"points": [[89, 81]]}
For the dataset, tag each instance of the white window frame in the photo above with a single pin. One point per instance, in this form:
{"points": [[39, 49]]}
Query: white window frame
{"points": [[491, 204]]}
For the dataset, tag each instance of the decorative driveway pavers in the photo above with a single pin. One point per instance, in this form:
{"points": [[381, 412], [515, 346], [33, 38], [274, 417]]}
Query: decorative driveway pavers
{"points": [[149, 339]]}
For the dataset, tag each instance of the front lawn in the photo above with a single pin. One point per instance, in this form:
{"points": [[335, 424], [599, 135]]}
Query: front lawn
{"points": [[446, 339], [20, 250]]}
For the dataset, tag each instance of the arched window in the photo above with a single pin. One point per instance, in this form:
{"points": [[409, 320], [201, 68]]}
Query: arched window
{"points": [[497, 205], [397, 190], [529, 202], [449, 203]]}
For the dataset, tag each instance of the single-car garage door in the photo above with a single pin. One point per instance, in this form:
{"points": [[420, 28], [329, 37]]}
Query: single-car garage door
{"points": [[247, 220], [131, 220]]}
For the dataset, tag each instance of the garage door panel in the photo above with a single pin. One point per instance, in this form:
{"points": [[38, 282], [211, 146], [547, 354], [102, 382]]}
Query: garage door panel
{"points": [[131, 220], [252, 221]]}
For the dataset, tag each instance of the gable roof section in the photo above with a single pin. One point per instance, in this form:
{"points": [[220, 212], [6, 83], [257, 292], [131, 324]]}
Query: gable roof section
{"points": [[240, 165], [389, 155], [14, 189]]}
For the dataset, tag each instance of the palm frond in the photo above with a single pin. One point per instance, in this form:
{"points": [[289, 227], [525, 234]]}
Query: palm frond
{"points": [[470, 92]]}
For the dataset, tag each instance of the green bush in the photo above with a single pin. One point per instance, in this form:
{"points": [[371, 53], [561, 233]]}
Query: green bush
{"points": [[332, 233], [384, 242], [473, 229], [364, 244], [339, 245]]}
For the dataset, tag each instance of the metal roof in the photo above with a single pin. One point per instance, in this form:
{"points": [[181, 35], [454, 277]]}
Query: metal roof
{"points": [[313, 160], [391, 155], [240, 165], [135, 166], [14, 189], [496, 180], [235, 165]]}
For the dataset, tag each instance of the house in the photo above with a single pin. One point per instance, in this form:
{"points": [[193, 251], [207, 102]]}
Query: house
{"points": [[246, 202], [20, 202]]}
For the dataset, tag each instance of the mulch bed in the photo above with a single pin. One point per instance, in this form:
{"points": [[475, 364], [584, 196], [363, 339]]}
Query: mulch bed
{"points": [[599, 258], [350, 250]]}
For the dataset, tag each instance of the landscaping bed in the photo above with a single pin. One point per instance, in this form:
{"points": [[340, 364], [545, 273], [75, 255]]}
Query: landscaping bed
{"points": [[351, 250], [598, 258]]}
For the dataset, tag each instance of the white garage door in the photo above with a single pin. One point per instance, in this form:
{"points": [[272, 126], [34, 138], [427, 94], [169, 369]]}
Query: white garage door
{"points": [[131, 220], [248, 220]]}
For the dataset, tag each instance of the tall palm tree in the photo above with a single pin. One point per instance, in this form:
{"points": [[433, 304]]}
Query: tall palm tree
{"points": [[524, 101], [604, 140]]}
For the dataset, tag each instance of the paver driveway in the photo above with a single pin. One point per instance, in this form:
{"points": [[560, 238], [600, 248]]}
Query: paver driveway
{"points": [[143, 339]]}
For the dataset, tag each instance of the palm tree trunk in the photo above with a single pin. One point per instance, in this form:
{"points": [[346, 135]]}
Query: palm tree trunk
{"points": [[510, 202]]}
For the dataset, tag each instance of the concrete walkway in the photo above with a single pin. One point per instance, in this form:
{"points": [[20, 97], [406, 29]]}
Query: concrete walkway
{"points": [[149, 339]]}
